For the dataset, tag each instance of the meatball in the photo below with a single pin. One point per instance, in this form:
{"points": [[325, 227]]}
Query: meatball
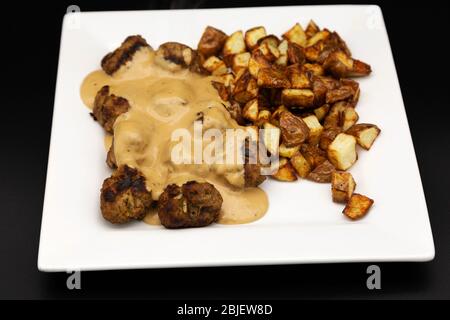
{"points": [[194, 204], [124, 196], [253, 177], [174, 55], [107, 107], [114, 60]]}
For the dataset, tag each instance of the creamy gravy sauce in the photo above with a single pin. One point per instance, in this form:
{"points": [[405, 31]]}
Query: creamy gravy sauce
{"points": [[162, 101]]}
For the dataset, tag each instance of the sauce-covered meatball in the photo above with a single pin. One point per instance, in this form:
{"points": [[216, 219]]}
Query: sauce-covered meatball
{"points": [[194, 204], [107, 107], [124, 196]]}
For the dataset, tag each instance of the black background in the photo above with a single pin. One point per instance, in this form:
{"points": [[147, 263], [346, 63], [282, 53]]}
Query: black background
{"points": [[30, 44]]}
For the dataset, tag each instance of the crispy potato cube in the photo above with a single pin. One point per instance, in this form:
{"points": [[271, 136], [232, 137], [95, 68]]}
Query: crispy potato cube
{"points": [[302, 98], [227, 79], [327, 137], [341, 65], [322, 111], [342, 186], [342, 114], [322, 173], [315, 129], [282, 60], [271, 137], [294, 130], [251, 110], [311, 29], [245, 87], [365, 134], [288, 152], [263, 116], [295, 53], [216, 66], [313, 154], [269, 51], [272, 78], [211, 42], [355, 87], [339, 94], [285, 171], [253, 35], [283, 47], [342, 151], [319, 36], [275, 118], [240, 61], [257, 62], [358, 206], [316, 69], [300, 164], [297, 78], [270, 39], [222, 90], [235, 44], [296, 35], [313, 53]]}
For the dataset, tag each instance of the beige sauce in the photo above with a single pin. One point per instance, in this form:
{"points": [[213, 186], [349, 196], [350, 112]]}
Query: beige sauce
{"points": [[161, 102]]}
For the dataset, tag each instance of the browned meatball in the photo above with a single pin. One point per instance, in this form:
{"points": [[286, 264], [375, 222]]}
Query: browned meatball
{"points": [[107, 107], [114, 60], [124, 196], [253, 177], [194, 204]]}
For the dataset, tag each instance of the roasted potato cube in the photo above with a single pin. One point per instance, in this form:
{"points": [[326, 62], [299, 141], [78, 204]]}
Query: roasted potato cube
{"points": [[313, 52], [339, 94], [327, 137], [211, 42], [322, 173], [298, 78], [358, 206], [341, 65], [316, 69], [313, 154], [288, 152], [269, 51], [270, 39], [322, 111], [295, 54], [272, 78], [215, 66], [257, 62], [342, 186], [222, 90], [319, 36], [285, 171], [251, 110], [315, 129], [355, 87], [253, 35], [283, 47], [227, 80], [365, 134], [342, 114], [342, 151], [311, 29], [300, 164], [235, 44], [263, 116], [294, 130], [245, 88], [296, 35], [301, 98], [240, 61], [271, 137], [282, 60], [275, 118]]}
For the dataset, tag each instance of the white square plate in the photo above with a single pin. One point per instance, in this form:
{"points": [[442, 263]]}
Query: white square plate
{"points": [[302, 225]]}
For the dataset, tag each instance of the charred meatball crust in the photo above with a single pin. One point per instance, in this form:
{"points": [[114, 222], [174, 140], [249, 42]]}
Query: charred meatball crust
{"points": [[194, 204], [107, 107], [124, 196], [114, 60]]}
